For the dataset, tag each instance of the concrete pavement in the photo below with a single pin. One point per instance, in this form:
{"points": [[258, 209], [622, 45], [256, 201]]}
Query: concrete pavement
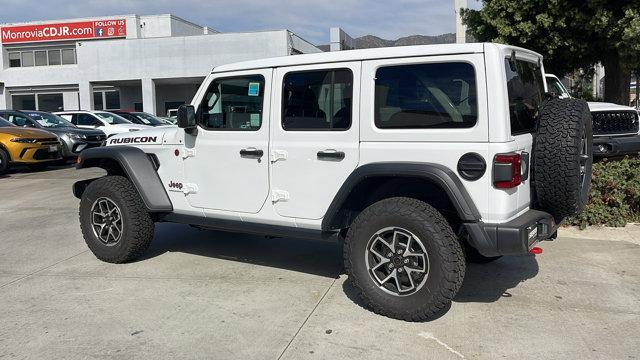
{"points": [[208, 294]]}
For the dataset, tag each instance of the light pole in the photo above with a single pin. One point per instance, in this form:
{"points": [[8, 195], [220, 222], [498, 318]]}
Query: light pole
{"points": [[461, 29]]}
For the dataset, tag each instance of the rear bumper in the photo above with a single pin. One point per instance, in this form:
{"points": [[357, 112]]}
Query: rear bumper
{"points": [[515, 237], [616, 145]]}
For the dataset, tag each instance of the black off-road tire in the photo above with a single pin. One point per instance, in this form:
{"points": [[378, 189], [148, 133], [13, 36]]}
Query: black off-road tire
{"points": [[4, 161], [563, 126], [445, 255], [138, 226]]}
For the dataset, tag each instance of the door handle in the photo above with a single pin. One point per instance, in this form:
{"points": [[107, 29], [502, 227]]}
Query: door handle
{"points": [[251, 153], [330, 154]]}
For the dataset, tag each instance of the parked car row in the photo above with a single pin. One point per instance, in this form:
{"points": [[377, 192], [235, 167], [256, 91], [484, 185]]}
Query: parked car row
{"points": [[38, 138], [616, 128]]}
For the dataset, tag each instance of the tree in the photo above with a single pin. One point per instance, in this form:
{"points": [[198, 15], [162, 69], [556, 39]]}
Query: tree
{"points": [[570, 34]]}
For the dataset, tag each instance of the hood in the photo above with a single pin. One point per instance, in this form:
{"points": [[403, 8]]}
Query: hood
{"points": [[148, 136], [132, 126], [595, 106], [75, 130], [27, 132]]}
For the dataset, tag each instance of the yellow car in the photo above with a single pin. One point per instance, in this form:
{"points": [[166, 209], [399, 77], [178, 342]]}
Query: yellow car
{"points": [[32, 147]]}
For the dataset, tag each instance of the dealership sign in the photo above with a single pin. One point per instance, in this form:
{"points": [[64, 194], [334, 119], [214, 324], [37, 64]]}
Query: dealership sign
{"points": [[99, 29]]}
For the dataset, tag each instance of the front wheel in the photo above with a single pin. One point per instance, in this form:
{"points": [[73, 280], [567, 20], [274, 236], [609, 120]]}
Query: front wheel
{"points": [[403, 259], [115, 223]]}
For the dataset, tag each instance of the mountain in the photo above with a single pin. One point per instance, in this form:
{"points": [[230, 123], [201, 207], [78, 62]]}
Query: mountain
{"points": [[371, 41]]}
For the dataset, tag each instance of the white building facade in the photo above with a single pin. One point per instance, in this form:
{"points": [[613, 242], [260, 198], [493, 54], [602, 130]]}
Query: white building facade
{"points": [[143, 63]]}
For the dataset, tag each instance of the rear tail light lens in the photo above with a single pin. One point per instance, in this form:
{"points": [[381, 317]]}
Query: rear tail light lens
{"points": [[507, 170]]}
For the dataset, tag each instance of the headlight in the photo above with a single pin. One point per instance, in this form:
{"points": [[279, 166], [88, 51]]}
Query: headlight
{"points": [[77, 136], [24, 140]]}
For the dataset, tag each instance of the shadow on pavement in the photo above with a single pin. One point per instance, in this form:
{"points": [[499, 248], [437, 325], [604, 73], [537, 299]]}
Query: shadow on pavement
{"points": [[312, 257], [482, 283], [492, 281]]}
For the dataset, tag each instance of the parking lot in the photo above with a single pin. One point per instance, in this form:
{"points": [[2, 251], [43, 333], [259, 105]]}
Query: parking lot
{"points": [[208, 294]]}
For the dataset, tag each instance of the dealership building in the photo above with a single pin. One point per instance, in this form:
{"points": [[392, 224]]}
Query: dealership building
{"points": [[149, 63]]}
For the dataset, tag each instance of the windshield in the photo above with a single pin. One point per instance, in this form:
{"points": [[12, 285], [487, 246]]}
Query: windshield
{"points": [[148, 118], [50, 120], [112, 119], [5, 123]]}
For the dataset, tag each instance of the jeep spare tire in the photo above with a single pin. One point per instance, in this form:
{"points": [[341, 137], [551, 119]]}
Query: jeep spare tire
{"points": [[563, 157]]}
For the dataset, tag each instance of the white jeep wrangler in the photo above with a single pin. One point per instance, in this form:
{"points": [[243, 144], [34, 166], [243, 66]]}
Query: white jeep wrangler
{"points": [[414, 157]]}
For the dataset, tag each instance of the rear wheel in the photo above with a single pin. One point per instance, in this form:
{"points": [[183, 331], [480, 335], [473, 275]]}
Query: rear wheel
{"points": [[4, 161], [114, 221], [403, 259]]}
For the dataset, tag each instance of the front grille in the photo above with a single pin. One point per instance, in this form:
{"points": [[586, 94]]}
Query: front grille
{"points": [[615, 122], [44, 154], [96, 137]]}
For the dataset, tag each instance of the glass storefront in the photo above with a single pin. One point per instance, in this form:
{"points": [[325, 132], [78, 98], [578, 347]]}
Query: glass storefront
{"points": [[43, 102]]}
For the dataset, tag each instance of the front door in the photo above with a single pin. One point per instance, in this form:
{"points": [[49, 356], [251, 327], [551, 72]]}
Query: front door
{"points": [[315, 136], [226, 162]]}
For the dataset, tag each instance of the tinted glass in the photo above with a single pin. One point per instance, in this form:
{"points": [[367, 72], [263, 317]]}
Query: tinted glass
{"points": [[5, 123], [14, 59], [526, 93], [97, 101], [555, 86], [18, 120], [41, 58], [50, 102], [27, 58], [233, 104], [68, 56], [112, 100], [426, 96], [317, 100], [148, 119], [54, 57], [86, 119]]}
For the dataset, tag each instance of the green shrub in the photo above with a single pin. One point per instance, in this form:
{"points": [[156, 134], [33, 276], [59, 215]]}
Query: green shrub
{"points": [[615, 194]]}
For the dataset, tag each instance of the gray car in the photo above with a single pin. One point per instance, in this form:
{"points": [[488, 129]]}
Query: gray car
{"points": [[73, 138]]}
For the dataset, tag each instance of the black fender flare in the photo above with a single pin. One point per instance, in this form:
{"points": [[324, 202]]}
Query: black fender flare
{"points": [[137, 167], [436, 173]]}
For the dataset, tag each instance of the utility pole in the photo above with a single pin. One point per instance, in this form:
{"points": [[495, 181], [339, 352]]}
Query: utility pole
{"points": [[461, 29]]}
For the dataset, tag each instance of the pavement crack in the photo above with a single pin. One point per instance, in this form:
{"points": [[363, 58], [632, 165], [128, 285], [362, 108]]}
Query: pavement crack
{"points": [[307, 318], [429, 336], [42, 269]]}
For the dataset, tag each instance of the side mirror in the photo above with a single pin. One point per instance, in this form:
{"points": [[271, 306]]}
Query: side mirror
{"points": [[186, 117]]}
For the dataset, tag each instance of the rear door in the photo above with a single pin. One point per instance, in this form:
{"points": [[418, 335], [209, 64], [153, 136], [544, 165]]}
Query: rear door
{"points": [[314, 136]]}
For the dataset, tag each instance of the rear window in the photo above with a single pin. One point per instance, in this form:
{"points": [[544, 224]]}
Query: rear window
{"points": [[525, 86], [426, 96]]}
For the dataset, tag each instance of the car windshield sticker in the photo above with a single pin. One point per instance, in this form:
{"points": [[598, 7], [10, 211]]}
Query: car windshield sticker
{"points": [[255, 120], [254, 89]]}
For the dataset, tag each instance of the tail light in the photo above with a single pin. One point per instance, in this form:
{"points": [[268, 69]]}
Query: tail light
{"points": [[507, 170]]}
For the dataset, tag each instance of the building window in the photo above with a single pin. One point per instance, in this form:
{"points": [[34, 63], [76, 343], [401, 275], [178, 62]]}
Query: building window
{"points": [[41, 58], [317, 100], [112, 100], [97, 101], [14, 59], [54, 57], [50, 102], [24, 102], [68, 56]]}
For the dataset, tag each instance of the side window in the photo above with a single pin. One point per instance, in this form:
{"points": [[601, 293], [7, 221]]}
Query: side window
{"points": [[317, 100], [233, 104], [86, 120], [72, 118], [426, 96], [526, 93], [19, 120]]}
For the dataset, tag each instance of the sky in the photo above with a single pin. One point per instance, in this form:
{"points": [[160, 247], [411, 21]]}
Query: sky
{"points": [[311, 19]]}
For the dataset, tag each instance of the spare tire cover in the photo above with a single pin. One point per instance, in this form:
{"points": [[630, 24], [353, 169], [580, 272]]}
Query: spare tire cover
{"points": [[562, 157]]}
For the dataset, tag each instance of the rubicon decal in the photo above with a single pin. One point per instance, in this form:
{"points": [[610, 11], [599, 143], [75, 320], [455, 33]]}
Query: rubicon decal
{"points": [[98, 29], [134, 140]]}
